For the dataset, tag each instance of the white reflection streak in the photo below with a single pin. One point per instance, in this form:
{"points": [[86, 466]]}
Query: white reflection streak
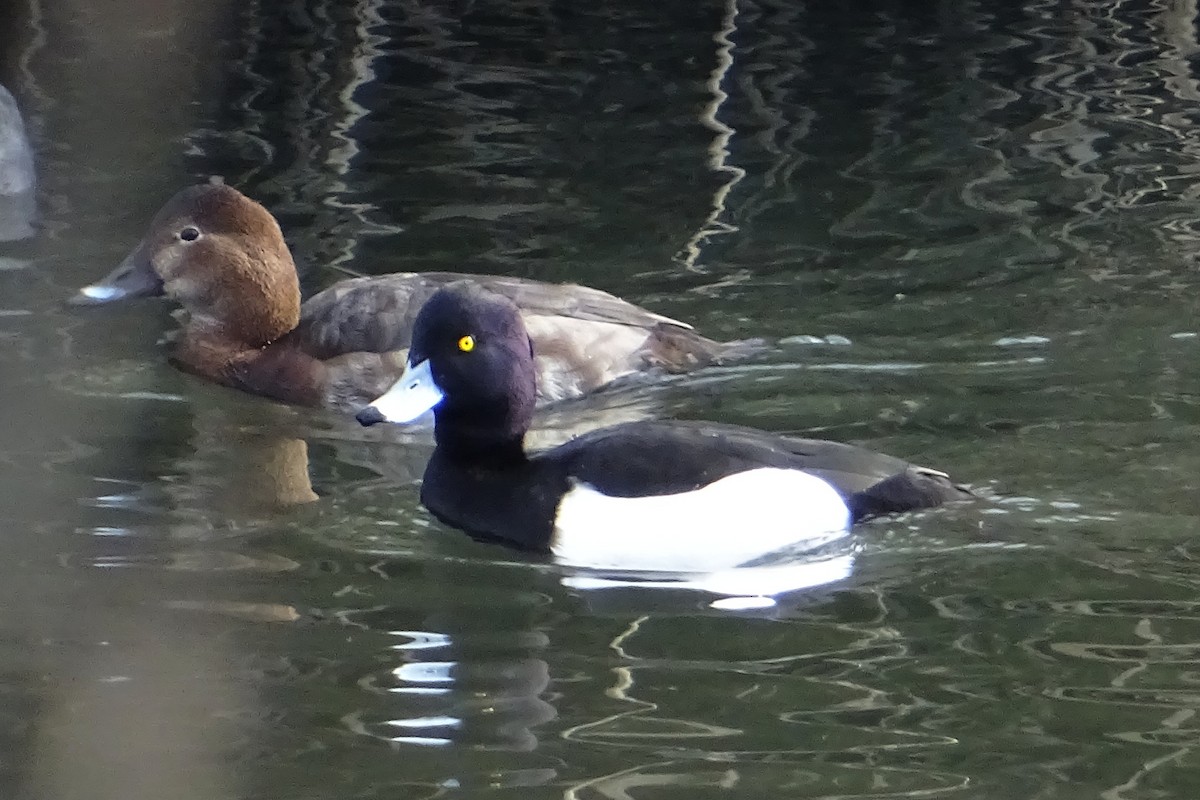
{"points": [[1177, 25], [426, 672], [1118, 792], [741, 583], [1179, 32], [617, 785], [36, 42], [425, 741], [718, 151], [341, 156], [426, 722], [1144, 630], [362, 68], [421, 640], [619, 691]]}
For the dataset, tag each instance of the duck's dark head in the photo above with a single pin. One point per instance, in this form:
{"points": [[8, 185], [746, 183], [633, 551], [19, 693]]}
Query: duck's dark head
{"points": [[471, 361]]}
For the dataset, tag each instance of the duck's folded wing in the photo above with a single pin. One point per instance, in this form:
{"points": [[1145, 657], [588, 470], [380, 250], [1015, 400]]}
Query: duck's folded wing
{"points": [[567, 300], [912, 488], [375, 314], [872, 483], [372, 315]]}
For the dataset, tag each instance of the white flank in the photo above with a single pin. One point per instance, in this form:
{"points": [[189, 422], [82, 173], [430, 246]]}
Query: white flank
{"points": [[717, 527], [411, 396]]}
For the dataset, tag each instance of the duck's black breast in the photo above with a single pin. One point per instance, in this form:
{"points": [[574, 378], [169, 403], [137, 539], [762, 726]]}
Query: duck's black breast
{"points": [[515, 504]]}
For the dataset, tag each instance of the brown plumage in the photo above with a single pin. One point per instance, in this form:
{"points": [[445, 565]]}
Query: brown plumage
{"points": [[223, 258]]}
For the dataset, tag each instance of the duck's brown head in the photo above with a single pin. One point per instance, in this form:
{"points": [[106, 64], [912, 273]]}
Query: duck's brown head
{"points": [[222, 257]]}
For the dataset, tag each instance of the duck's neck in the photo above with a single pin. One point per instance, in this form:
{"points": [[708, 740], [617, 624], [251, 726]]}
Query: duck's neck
{"points": [[467, 441], [276, 369], [490, 500]]}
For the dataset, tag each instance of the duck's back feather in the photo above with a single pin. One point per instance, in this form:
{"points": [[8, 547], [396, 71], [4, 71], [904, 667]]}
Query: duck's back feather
{"points": [[583, 338], [626, 460], [375, 314]]}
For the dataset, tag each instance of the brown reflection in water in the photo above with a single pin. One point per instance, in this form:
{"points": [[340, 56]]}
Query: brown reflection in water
{"points": [[256, 474]]}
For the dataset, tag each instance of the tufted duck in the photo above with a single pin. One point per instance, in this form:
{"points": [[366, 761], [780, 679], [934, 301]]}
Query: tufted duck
{"points": [[649, 495]]}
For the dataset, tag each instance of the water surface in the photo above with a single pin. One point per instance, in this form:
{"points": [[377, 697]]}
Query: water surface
{"points": [[973, 229]]}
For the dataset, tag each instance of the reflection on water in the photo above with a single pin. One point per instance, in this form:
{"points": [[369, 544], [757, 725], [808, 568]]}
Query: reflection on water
{"points": [[17, 178], [741, 588], [972, 226]]}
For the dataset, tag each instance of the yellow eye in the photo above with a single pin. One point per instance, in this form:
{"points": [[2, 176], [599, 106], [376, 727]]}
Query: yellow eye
{"points": [[466, 343]]}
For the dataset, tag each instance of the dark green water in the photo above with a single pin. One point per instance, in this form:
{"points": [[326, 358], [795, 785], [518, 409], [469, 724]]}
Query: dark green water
{"points": [[973, 227]]}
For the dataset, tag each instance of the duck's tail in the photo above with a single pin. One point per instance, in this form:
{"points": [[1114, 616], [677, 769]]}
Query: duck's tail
{"points": [[677, 349], [912, 489]]}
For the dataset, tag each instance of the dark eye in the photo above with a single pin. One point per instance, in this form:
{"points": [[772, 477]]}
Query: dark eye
{"points": [[189, 234]]}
